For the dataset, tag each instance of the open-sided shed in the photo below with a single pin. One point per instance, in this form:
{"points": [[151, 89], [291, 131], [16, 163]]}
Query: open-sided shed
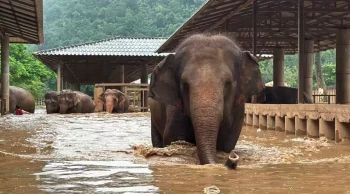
{"points": [[280, 27], [114, 60], [21, 21]]}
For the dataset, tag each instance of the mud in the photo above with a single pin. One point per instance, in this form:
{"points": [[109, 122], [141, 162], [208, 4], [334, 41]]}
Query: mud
{"points": [[112, 153]]}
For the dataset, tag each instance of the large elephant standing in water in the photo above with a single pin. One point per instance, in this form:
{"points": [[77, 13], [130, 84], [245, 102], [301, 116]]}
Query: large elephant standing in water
{"points": [[115, 101], [51, 102], [198, 94], [75, 102], [22, 98]]}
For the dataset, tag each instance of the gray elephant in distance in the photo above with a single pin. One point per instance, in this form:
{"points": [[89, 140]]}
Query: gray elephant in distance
{"points": [[280, 95], [22, 98], [115, 101], [75, 102], [51, 102], [198, 94]]}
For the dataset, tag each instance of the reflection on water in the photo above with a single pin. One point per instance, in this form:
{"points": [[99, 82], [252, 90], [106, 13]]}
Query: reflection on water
{"points": [[102, 153]]}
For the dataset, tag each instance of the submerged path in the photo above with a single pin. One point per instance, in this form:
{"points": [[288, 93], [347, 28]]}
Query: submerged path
{"points": [[103, 153]]}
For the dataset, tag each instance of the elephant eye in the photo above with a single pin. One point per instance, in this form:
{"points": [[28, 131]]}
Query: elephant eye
{"points": [[228, 86], [185, 86]]}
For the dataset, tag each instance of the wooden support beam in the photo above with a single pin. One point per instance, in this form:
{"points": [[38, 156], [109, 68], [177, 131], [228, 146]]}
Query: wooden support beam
{"points": [[5, 74], [59, 76], [254, 24], [232, 13], [301, 35]]}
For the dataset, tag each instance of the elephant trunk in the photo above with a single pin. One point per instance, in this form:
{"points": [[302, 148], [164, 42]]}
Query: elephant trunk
{"points": [[206, 114], [63, 109], [48, 109], [109, 105]]}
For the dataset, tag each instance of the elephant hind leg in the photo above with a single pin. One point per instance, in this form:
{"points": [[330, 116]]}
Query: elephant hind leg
{"points": [[157, 139]]}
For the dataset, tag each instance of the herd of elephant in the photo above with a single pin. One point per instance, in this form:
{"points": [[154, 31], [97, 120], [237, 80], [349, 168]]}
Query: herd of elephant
{"points": [[68, 101], [196, 95]]}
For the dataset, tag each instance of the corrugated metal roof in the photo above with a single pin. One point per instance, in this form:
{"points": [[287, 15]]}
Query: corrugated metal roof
{"points": [[118, 46], [22, 20], [276, 25]]}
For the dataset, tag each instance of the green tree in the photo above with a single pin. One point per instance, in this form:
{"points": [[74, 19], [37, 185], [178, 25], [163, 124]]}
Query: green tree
{"points": [[27, 72]]}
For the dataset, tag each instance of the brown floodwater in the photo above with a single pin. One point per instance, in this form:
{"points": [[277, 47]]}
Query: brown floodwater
{"points": [[112, 153]]}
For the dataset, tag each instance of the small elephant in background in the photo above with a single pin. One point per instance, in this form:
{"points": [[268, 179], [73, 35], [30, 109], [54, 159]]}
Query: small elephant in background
{"points": [[22, 98], [115, 101], [282, 95], [51, 102], [75, 102]]}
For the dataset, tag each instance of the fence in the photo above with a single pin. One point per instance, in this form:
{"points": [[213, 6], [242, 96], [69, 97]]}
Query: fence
{"points": [[39, 102], [328, 98], [137, 93], [312, 120]]}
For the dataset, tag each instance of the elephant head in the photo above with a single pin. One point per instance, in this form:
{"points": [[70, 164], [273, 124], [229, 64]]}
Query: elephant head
{"points": [[112, 98], [68, 100], [207, 78], [51, 102]]}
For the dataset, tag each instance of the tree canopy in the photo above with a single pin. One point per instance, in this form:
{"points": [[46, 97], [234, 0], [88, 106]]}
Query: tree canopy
{"points": [[69, 22]]}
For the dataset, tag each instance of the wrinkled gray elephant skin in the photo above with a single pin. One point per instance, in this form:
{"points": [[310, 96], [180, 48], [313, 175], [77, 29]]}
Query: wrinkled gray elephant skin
{"points": [[115, 101], [75, 102], [51, 102], [22, 98], [198, 94]]}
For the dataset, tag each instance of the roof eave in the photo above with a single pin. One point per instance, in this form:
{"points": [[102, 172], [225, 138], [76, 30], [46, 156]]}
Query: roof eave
{"points": [[40, 20], [198, 12]]}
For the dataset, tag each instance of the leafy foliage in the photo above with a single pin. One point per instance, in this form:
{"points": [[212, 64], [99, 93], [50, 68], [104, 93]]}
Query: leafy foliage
{"points": [[27, 72], [69, 22], [291, 69]]}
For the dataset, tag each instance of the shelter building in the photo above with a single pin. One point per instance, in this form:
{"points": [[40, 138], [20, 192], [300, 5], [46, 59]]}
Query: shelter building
{"points": [[278, 28], [114, 60], [20, 22]]}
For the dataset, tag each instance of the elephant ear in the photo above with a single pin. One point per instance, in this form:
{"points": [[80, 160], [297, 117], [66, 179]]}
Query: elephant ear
{"points": [[102, 96], [250, 76], [76, 99], [163, 86]]}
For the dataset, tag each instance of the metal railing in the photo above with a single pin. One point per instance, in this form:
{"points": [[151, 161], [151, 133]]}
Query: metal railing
{"points": [[328, 97], [324, 99]]}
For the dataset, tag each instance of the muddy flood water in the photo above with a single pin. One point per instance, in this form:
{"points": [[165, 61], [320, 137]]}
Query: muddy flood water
{"points": [[104, 153]]}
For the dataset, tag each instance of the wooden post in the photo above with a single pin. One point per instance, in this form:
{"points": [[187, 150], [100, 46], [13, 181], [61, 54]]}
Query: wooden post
{"points": [[309, 56], [117, 76], [59, 76], [255, 12], [278, 67], [120, 77], [343, 67], [301, 34], [144, 80], [5, 75]]}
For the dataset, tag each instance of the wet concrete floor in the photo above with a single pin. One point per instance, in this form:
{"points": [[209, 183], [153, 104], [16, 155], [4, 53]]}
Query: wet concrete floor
{"points": [[103, 153]]}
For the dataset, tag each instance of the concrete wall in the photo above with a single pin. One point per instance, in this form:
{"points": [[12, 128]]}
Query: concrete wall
{"points": [[312, 120]]}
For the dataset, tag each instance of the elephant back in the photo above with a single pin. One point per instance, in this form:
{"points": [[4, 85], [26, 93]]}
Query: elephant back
{"points": [[22, 98], [87, 103]]}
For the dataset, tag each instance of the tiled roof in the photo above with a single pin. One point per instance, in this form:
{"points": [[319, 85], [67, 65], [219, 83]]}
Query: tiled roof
{"points": [[118, 46]]}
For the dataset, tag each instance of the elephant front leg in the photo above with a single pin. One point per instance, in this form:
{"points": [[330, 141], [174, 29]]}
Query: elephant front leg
{"points": [[178, 127], [230, 130], [157, 139]]}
